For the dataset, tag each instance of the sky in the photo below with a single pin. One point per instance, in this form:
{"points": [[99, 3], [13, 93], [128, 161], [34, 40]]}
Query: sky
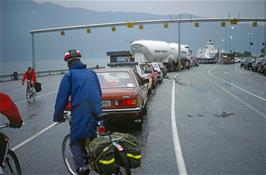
{"points": [[219, 9]]}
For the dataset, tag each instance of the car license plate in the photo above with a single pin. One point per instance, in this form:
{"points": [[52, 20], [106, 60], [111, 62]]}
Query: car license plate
{"points": [[106, 103]]}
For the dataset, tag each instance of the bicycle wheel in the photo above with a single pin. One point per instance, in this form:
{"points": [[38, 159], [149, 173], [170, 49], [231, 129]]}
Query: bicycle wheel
{"points": [[11, 164], [28, 95], [33, 94], [67, 156], [122, 164]]}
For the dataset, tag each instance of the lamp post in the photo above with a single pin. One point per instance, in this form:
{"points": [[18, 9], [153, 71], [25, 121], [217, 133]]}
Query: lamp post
{"points": [[230, 42], [250, 44], [222, 46], [231, 37]]}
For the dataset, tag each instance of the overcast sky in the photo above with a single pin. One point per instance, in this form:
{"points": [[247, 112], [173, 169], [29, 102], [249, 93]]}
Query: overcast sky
{"points": [[252, 8]]}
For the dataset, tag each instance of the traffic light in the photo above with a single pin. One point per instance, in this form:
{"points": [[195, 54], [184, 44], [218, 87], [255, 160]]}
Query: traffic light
{"points": [[165, 25], [254, 24], [62, 33], [141, 27], [223, 24], [88, 30], [130, 25], [113, 28], [234, 21]]}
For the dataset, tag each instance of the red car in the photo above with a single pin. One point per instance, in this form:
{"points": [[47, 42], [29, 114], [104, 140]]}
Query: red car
{"points": [[147, 67], [124, 96]]}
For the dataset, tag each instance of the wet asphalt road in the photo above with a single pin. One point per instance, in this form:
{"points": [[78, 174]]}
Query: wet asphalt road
{"points": [[220, 113]]}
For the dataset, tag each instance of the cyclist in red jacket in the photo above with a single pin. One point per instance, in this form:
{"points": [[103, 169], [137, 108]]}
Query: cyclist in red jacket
{"points": [[29, 75], [9, 110]]}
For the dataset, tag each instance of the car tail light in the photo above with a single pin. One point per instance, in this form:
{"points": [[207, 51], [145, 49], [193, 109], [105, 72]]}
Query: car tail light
{"points": [[68, 106], [101, 130], [129, 101]]}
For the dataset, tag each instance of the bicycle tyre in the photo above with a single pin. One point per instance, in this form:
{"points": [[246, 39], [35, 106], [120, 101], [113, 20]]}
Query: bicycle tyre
{"points": [[123, 164], [28, 96], [12, 165], [67, 156], [33, 95]]}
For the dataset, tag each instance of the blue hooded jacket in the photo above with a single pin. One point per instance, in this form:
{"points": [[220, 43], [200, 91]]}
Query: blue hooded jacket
{"points": [[83, 86]]}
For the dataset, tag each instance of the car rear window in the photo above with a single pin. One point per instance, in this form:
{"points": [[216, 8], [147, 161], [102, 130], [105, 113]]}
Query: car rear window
{"points": [[115, 80]]}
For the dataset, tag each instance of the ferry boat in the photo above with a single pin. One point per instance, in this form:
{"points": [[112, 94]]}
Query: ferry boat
{"points": [[207, 54]]}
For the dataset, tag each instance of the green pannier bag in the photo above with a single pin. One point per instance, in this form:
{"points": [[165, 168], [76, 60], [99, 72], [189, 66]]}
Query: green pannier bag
{"points": [[132, 148], [102, 151]]}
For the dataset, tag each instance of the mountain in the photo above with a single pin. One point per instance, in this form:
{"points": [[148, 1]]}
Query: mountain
{"points": [[18, 18]]}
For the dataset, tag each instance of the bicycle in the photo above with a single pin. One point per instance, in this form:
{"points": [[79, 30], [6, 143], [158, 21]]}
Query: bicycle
{"points": [[120, 154], [10, 164], [30, 92]]}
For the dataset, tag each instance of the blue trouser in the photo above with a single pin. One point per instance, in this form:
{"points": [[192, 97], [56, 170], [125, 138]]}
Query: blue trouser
{"points": [[77, 151]]}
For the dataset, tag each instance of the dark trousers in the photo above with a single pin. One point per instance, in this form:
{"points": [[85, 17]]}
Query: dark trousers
{"points": [[78, 148]]}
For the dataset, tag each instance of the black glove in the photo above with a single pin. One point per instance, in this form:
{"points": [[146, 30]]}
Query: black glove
{"points": [[16, 124]]}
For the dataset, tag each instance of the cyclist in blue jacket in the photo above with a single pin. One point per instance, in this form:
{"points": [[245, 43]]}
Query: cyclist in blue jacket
{"points": [[82, 85]]}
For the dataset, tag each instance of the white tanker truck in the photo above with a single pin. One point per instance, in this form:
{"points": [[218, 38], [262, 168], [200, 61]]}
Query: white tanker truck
{"points": [[160, 51]]}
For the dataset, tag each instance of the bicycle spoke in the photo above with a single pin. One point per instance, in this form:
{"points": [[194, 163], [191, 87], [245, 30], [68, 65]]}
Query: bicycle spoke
{"points": [[10, 166]]}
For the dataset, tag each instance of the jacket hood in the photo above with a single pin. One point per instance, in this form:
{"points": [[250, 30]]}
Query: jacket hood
{"points": [[77, 64]]}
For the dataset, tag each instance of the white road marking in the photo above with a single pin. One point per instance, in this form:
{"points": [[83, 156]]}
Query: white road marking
{"points": [[178, 152], [41, 131], [238, 99], [232, 84], [38, 96], [34, 136]]}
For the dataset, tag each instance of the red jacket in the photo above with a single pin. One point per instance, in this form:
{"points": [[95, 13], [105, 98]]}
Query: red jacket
{"points": [[29, 76], [10, 110]]}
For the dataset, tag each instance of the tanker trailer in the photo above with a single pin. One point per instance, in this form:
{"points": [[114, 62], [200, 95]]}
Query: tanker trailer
{"points": [[185, 56], [154, 51]]}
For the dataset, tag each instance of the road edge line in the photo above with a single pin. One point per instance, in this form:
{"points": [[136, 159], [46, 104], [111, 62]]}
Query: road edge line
{"points": [[177, 147], [33, 136]]}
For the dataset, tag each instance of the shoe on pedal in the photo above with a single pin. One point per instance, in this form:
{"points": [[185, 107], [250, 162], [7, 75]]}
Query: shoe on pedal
{"points": [[84, 170]]}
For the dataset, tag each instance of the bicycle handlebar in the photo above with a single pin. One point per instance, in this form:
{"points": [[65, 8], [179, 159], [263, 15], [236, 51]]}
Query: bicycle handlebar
{"points": [[101, 116], [6, 125]]}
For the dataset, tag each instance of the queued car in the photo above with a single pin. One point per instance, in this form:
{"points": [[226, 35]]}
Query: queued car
{"points": [[141, 69], [248, 63], [243, 62], [262, 66], [149, 69], [158, 70], [195, 62], [255, 64], [124, 95], [163, 68]]}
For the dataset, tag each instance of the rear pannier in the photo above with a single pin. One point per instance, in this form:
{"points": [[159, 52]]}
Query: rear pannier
{"points": [[132, 148], [102, 151]]}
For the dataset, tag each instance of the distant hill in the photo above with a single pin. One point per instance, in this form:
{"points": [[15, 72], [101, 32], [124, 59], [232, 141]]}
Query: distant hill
{"points": [[18, 18]]}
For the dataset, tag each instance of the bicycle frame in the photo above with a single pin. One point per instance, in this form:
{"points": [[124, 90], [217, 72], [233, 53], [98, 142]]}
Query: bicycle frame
{"points": [[10, 160], [30, 92], [101, 132]]}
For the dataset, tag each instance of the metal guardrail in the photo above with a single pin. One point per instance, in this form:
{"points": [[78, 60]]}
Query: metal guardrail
{"points": [[17, 76]]}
